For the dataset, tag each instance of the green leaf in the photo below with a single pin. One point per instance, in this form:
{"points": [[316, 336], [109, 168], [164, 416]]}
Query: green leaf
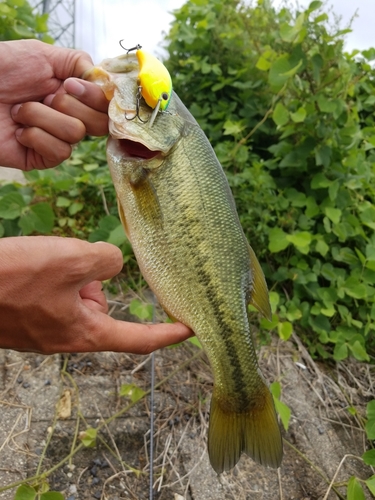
{"points": [[195, 341], [63, 202], [326, 105], [340, 352], [316, 4], [275, 389], [322, 247], [263, 64], [323, 156], [285, 330], [281, 70], [132, 391], [277, 240], [370, 425], [141, 310], [370, 483], [357, 291], [75, 207], [233, 128], [44, 217], [321, 18], [320, 181], [280, 115], [301, 240], [284, 411], [369, 457], [117, 236], [355, 491], [88, 437], [52, 495], [334, 214], [11, 205], [25, 492], [299, 116], [358, 351], [367, 217]]}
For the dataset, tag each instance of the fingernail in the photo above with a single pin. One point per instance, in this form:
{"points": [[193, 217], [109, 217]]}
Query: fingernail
{"points": [[15, 109], [18, 132], [74, 87]]}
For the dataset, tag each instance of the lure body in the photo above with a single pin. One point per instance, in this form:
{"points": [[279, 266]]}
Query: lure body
{"points": [[155, 81]]}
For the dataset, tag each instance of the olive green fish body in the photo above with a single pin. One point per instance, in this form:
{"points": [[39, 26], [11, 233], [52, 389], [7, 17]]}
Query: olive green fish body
{"points": [[180, 216]]}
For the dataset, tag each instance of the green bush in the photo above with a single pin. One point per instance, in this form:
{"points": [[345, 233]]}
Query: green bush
{"points": [[76, 199], [290, 115], [19, 20]]}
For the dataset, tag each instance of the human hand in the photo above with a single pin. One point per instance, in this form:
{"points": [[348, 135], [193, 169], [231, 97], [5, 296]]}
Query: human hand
{"points": [[43, 111], [51, 300]]}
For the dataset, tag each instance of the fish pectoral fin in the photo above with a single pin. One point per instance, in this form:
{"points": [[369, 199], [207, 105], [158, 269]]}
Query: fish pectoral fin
{"points": [[259, 294], [255, 432], [123, 218]]}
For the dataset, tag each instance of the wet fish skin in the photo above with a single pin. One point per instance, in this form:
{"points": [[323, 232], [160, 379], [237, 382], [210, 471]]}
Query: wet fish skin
{"points": [[180, 216]]}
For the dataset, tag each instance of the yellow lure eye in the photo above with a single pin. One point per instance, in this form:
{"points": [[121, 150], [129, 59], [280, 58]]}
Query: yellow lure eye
{"points": [[155, 80]]}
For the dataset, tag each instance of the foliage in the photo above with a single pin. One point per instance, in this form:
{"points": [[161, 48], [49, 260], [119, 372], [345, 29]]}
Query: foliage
{"points": [[76, 199], [282, 409], [290, 115], [26, 492], [18, 20]]}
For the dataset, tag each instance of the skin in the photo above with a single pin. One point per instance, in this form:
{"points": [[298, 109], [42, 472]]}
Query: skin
{"points": [[51, 297]]}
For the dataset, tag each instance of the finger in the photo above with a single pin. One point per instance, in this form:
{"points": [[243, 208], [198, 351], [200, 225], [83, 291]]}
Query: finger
{"points": [[86, 262], [68, 62], [93, 297], [59, 125], [44, 150], [87, 92], [108, 334], [96, 122]]}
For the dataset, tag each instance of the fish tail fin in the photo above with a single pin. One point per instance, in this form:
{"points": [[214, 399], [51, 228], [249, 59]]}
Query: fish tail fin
{"points": [[255, 432]]}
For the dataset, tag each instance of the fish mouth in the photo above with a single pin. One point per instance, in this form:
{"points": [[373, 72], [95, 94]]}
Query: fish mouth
{"points": [[136, 150]]}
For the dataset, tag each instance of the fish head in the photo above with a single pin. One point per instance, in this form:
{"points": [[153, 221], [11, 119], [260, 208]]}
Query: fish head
{"points": [[130, 115]]}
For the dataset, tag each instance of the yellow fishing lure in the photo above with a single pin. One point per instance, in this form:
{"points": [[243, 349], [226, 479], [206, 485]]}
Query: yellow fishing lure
{"points": [[155, 80]]}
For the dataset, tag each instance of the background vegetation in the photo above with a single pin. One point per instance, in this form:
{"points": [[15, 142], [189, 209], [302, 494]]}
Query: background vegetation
{"points": [[290, 115]]}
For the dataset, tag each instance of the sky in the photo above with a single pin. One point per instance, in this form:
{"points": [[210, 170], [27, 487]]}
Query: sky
{"points": [[102, 23]]}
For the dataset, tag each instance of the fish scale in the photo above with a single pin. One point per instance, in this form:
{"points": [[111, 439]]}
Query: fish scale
{"points": [[180, 216]]}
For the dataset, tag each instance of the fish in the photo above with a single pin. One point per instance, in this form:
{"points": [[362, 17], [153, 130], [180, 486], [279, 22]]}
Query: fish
{"points": [[179, 214]]}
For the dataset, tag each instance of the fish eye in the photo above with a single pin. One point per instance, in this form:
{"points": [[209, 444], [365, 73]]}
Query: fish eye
{"points": [[165, 96]]}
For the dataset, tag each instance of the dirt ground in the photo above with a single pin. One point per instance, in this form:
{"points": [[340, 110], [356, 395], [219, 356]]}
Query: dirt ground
{"points": [[47, 402]]}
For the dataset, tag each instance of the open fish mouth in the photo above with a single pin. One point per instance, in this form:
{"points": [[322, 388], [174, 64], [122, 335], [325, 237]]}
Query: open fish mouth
{"points": [[133, 149]]}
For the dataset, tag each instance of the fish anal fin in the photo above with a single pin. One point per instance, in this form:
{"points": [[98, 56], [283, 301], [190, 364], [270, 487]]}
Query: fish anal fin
{"points": [[259, 294], [255, 432]]}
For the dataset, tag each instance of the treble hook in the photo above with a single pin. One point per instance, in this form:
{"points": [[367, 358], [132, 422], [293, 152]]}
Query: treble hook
{"points": [[137, 47], [138, 99]]}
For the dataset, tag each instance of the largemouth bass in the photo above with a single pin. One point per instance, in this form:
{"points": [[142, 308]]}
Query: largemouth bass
{"points": [[179, 214]]}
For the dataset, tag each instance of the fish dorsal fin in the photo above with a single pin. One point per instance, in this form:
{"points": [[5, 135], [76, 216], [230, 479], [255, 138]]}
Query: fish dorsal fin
{"points": [[259, 293]]}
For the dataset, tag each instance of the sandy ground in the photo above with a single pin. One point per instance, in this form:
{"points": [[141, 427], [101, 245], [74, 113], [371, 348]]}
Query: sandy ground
{"points": [[48, 401]]}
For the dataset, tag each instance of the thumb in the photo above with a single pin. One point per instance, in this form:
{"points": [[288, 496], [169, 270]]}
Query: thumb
{"points": [[93, 297]]}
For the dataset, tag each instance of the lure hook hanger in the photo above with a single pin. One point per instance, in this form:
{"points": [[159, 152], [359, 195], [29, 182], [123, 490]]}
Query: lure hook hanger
{"points": [[138, 99], [137, 47]]}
